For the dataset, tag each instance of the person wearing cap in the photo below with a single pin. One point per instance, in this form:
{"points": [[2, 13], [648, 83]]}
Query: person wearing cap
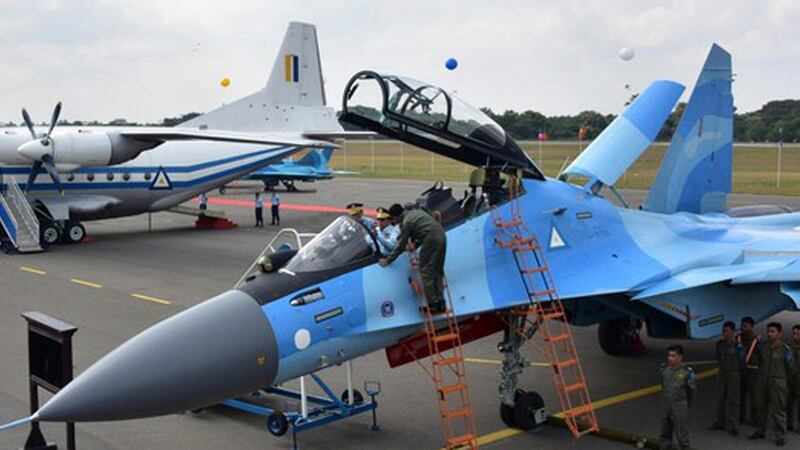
{"points": [[356, 211], [386, 233], [429, 237]]}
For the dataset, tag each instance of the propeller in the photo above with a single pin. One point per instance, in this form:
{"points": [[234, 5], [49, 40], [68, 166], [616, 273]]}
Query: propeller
{"points": [[38, 149]]}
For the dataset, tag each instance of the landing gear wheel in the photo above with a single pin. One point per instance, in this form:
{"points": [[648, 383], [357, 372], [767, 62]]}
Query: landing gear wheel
{"points": [[619, 336], [507, 415], [358, 398], [49, 234], [529, 412], [277, 424], [75, 232]]}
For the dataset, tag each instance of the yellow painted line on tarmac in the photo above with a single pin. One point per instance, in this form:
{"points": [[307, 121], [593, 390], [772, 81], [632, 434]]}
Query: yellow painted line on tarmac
{"points": [[627, 396], [498, 362], [85, 283], [32, 270], [147, 298]]}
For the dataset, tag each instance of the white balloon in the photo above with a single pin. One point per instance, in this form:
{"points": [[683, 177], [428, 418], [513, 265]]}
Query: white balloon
{"points": [[626, 53]]}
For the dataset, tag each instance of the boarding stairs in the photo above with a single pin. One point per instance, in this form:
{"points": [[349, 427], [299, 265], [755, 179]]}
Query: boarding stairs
{"points": [[545, 314], [448, 370], [18, 219]]}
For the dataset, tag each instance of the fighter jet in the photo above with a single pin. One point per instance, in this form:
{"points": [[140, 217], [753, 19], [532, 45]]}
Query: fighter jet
{"points": [[680, 265], [106, 172], [313, 166]]}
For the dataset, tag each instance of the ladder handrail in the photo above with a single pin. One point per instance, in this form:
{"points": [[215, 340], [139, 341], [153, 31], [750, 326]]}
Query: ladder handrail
{"points": [[21, 206], [4, 205], [270, 248]]}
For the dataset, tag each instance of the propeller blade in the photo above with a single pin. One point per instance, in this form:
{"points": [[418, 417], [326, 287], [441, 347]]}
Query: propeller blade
{"points": [[54, 119], [50, 167], [32, 176], [27, 118]]}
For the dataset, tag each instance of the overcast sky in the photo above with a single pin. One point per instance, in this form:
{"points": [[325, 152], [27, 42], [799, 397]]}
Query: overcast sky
{"points": [[147, 59]]}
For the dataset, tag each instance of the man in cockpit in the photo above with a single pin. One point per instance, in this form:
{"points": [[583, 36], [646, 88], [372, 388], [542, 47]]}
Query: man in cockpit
{"points": [[356, 211], [429, 237], [386, 233]]}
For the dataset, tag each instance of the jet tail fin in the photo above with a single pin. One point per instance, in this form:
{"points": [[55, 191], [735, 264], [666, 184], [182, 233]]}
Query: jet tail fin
{"points": [[293, 99], [316, 158], [695, 175]]}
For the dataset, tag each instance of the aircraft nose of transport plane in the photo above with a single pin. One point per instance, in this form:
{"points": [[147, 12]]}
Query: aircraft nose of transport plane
{"points": [[214, 351]]}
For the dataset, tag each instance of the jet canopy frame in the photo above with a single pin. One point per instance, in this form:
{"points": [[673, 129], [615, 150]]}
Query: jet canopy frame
{"points": [[429, 117]]}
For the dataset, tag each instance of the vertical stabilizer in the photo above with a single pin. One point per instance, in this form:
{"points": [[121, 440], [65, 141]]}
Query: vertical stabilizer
{"points": [[293, 99], [695, 175]]}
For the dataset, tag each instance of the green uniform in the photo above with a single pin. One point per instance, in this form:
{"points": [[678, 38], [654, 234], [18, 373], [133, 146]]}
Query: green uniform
{"points": [[776, 366], [678, 385], [748, 404], [794, 388], [730, 357], [429, 237]]}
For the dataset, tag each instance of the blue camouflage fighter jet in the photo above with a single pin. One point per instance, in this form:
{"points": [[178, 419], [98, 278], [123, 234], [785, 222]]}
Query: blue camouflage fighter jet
{"points": [[313, 166], [680, 265]]}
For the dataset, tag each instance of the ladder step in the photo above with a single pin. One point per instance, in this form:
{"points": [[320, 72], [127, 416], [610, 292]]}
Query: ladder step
{"points": [[573, 387], [566, 363], [579, 411], [463, 412], [558, 338], [509, 224], [533, 270], [448, 361], [453, 388], [552, 315], [445, 337], [526, 248], [550, 291], [461, 440]]}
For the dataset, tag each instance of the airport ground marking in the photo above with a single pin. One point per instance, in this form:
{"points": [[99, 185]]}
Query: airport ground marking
{"points": [[498, 362], [32, 270], [147, 298], [624, 397], [85, 283]]}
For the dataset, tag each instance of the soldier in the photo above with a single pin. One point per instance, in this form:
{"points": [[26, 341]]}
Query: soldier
{"points": [[776, 366], [678, 383], [356, 211], [429, 237], [386, 233], [748, 400], [730, 358], [794, 380], [259, 210]]}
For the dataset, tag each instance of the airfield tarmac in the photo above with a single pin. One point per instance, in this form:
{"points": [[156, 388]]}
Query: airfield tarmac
{"points": [[129, 278]]}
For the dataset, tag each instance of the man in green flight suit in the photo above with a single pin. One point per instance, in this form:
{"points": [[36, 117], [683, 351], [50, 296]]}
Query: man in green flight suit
{"points": [[678, 383], [748, 403], [776, 366], [730, 358], [794, 380], [429, 237]]}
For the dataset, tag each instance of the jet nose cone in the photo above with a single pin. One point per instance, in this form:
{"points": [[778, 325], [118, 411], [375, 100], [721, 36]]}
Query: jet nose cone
{"points": [[34, 150], [217, 350]]}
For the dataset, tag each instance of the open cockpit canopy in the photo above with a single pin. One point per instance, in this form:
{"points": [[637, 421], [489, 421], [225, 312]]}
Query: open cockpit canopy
{"points": [[431, 118]]}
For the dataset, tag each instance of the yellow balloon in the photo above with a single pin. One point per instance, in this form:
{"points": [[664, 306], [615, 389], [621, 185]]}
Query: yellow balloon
{"points": [[225, 82]]}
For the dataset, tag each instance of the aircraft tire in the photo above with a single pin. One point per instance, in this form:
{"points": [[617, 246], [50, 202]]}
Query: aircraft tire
{"points": [[617, 337], [49, 234], [277, 423], [74, 232], [507, 415], [526, 406], [358, 397]]}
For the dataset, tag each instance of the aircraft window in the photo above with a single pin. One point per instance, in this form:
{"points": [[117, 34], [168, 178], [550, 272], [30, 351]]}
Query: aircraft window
{"points": [[471, 122], [71, 177], [342, 242], [147, 175], [90, 176], [109, 176], [126, 176]]}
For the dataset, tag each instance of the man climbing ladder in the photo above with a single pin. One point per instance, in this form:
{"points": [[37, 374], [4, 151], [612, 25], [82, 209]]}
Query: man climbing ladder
{"points": [[429, 237]]}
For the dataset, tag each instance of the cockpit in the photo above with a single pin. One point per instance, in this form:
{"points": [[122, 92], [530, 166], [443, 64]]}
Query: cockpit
{"points": [[341, 243]]}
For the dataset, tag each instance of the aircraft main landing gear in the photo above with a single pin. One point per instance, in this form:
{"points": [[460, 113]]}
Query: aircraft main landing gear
{"points": [[518, 408], [74, 232]]}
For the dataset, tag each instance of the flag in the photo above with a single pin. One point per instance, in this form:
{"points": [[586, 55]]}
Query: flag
{"points": [[543, 136], [582, 134]]}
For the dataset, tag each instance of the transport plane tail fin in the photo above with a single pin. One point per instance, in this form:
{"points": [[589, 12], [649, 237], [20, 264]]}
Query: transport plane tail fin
{"points": [[695, 175], [293, 99]]}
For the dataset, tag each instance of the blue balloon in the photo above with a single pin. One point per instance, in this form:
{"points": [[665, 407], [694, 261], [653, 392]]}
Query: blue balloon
{"points": [[451, 64]]}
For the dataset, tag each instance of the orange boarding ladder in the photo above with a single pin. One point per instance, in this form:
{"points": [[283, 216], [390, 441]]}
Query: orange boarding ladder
{"points": [[448, 369], [546, 315]]}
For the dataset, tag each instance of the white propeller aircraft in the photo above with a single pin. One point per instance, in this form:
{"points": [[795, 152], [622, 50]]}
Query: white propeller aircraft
{"points": [[106, 172]]}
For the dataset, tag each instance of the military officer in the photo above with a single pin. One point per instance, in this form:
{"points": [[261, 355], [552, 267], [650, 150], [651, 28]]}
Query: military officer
{"points": [[730, 358], [678, 384], [748, 400], [776, 366]]}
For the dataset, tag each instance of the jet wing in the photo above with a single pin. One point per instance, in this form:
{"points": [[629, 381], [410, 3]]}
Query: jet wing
{"points": [[163, 134]]}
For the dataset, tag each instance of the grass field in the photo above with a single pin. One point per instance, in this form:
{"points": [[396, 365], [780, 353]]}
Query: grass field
{"points": [[754, 166]]}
